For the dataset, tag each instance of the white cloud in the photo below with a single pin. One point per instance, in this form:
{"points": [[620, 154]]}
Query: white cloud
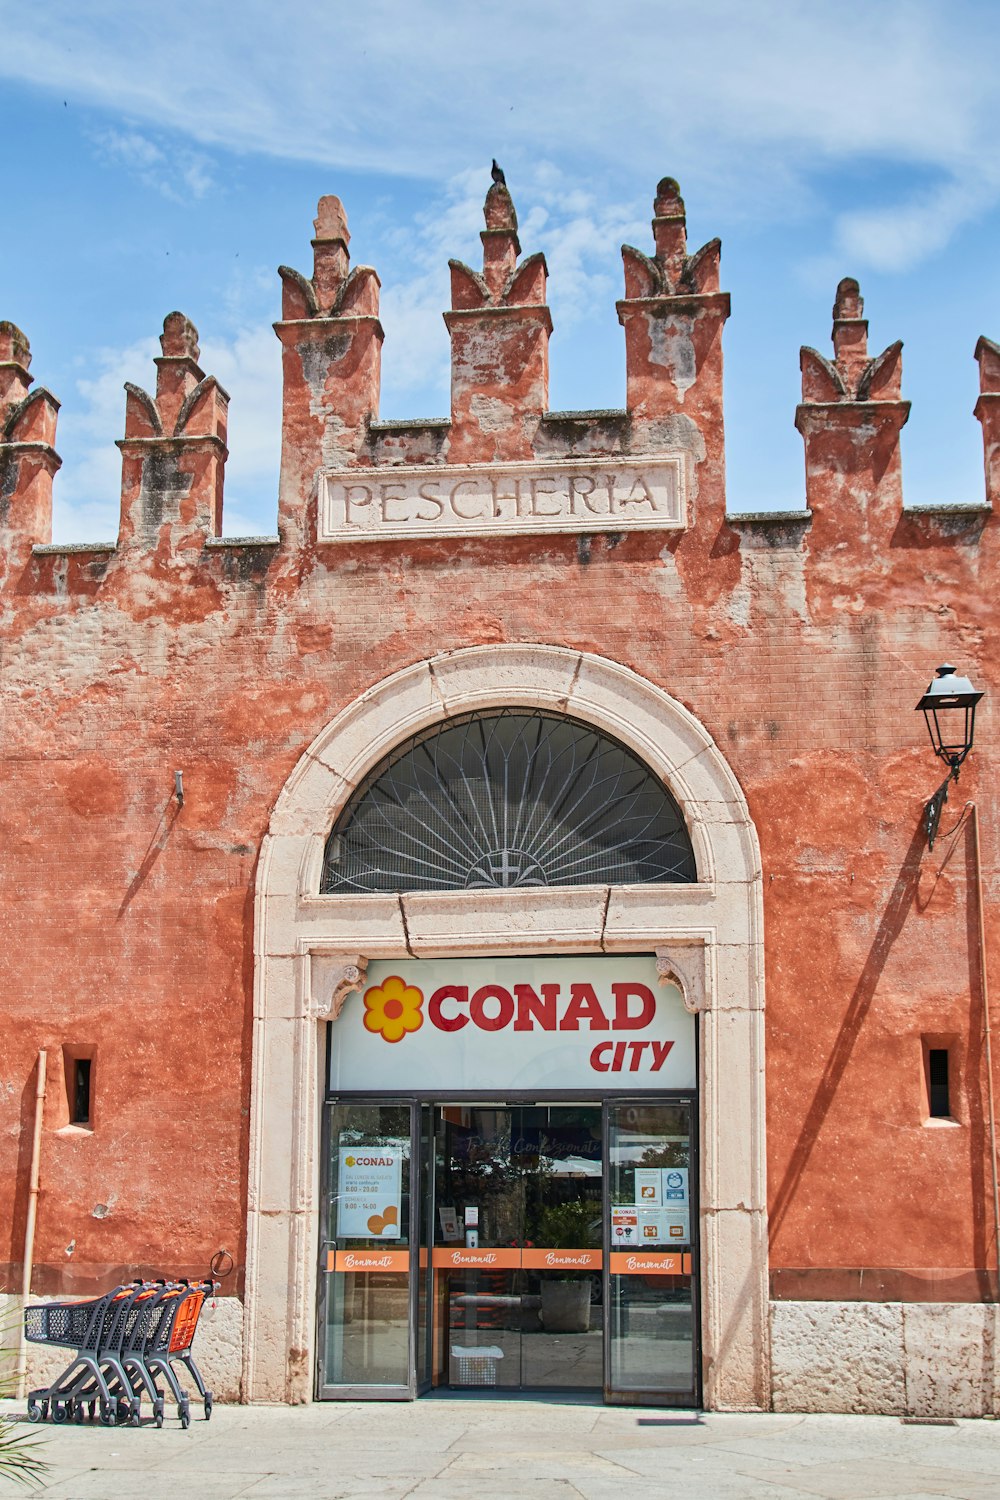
{"points": [[86, 495], [87, 490], [748, 99], [578, 233], [177, 174], [897, 236]]}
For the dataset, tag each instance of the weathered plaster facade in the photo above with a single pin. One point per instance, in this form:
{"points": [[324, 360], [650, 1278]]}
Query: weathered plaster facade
{"points": [[764, 666]]}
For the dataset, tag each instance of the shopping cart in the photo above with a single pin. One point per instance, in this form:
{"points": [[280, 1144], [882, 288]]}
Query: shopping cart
{"points": [[83, 1326], [162, 1338], [123, 1340]]}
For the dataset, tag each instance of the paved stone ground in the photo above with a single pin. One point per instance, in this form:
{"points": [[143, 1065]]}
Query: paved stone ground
{"points": [[448, 1448]]}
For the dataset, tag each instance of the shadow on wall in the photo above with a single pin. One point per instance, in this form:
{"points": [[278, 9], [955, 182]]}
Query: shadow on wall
{"points": [[903, 899], [155, 848]]}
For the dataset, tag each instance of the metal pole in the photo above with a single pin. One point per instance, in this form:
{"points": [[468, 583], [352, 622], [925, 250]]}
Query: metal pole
{"points": [[29, 1223], [988, 1029]]}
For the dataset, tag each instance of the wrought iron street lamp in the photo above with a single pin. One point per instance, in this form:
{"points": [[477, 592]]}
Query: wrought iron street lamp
{"points": [[949, 708]]}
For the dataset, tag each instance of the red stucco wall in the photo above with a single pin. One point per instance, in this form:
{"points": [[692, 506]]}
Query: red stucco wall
{"points": [[126, 919]]}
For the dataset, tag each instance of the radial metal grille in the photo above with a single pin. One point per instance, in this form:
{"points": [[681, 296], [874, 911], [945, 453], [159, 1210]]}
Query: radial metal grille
{"points": [[507, 798]]}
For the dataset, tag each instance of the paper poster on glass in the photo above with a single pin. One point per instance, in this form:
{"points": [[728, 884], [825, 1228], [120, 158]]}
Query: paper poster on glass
{"points": [[674, 1186], [658, 1227], [648, 1187], [369, 1205], [624, 1227]]}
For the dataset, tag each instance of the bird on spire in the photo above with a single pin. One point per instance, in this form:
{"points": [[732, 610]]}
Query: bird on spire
{"points": [[497, 174]]}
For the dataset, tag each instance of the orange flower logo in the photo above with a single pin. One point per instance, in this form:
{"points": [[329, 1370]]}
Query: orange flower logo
{"points": [[394, 1008]]}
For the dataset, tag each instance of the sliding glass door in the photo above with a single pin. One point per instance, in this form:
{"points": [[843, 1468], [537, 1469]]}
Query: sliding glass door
{"points": [[367, 1283], [651, 1348], [517, 1246], [510, 1246]]}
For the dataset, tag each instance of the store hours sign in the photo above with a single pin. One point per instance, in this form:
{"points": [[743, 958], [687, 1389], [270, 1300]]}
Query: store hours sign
{"points": [[369, 1203], [541, 1024]]}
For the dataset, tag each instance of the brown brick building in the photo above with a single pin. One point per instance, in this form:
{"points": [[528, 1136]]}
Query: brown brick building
{"points": [[518, 758]]}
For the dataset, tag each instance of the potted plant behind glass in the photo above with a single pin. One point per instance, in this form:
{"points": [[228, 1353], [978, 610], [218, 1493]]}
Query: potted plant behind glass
{"points": [[566, 1294]]}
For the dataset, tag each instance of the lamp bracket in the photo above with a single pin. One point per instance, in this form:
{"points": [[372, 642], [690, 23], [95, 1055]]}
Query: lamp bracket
{"points": [[934, 808]]}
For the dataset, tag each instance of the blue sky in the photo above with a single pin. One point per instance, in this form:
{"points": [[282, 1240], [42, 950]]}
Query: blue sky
{"points": [[155, 158]]}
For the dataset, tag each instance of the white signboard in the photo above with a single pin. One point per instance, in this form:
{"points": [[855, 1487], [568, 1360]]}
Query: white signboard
{"points": [[369, 1204], [435, 500], [601, 1024]]}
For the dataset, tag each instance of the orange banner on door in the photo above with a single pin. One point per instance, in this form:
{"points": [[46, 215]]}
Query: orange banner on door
{"points": [[562, 1260], [368, 1260], [483, 1259], [649, 1263]]}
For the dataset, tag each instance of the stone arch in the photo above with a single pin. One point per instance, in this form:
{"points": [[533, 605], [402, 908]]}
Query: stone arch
{"points": [[311, 950]]}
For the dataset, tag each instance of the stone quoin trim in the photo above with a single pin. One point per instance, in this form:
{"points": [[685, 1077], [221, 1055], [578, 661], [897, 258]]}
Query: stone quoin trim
{"points": [[308, 946]]}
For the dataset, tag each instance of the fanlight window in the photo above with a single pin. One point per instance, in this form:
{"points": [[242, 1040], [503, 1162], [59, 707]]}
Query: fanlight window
{"points": [[507, 798]]}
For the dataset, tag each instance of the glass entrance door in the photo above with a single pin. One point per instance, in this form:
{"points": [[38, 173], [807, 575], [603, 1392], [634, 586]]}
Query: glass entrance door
{"points": [[367, 1283], [510, 1247], [651, 1288], [517, 1251]]}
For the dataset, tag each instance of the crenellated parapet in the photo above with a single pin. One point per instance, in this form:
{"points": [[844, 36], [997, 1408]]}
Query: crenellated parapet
{"points": [[673, 314], [499, 325], [501, 463], [174, 450], [331, 341], [28, 459], [850, 418], [988, 413]]}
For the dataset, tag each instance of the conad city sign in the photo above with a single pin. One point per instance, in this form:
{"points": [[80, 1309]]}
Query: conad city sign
{"points": [[513, 499], [478, 1024]]}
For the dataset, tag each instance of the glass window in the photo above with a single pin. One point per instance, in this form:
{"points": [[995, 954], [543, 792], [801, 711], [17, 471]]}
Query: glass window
{"points": [[503, 799]]}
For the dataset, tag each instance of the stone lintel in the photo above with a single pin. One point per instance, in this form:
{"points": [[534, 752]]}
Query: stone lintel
{"points": [[322, 323], [665, 303], [69, 549], [950, 508], [770, 518], [10, 449], [534, 312], [217, 542], [412, 424], [176, 442], [834, 413]]}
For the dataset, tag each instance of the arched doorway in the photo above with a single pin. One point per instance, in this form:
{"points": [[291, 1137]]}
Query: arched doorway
{"points": [[311, 949]]}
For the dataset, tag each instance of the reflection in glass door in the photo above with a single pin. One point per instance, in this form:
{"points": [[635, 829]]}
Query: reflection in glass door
{"points": [[652, 1290], [517, 1246], [367, 1288]]}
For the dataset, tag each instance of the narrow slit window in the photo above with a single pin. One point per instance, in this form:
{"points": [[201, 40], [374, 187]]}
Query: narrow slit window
{"points": [[82, 1077], [937, 1083]]}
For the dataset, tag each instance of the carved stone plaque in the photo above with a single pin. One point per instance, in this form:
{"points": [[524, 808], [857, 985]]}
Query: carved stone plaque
{"points": [[631, 494]]}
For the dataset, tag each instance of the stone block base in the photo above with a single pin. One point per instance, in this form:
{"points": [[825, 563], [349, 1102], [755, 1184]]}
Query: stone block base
{"points": [[927, 1359]]}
